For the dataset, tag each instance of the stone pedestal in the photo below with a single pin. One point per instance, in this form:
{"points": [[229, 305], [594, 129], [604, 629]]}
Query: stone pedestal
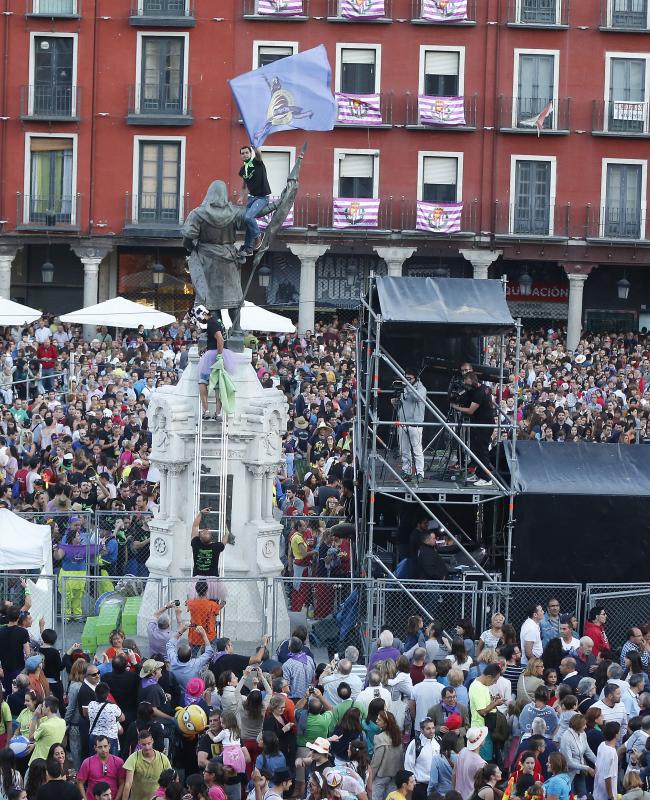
{"points": [[480, 261]]}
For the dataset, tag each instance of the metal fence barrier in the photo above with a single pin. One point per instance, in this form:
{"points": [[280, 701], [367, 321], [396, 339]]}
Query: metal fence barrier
{"points": [[41, 589], [626, 605], [513, 600]]}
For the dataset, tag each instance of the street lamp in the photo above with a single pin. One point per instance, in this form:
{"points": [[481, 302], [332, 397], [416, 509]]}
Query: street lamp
{"points": [[264, 276], [350, 273], [47, 272], [157, 274], [525, 284], [440, 272], [623, 288]]}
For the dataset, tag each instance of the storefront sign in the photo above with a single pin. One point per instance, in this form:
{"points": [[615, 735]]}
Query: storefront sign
{"points": [[540, 293]]}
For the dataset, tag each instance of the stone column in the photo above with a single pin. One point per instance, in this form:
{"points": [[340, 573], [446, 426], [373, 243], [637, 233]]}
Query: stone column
{"points": [[258, 471], [480, 261], [91, 258], [7, 255], [394, 258], [308, 255], [577, 275]]}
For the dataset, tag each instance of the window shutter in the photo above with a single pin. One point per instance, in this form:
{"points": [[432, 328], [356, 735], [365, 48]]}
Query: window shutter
{"points": [[441, 62], [356, 166], [277, 169], [365, 56], [48, 144], [440, 170]]}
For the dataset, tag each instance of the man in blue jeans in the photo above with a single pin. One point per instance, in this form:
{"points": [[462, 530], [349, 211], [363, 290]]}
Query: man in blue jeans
{"points": [[253, 174]]}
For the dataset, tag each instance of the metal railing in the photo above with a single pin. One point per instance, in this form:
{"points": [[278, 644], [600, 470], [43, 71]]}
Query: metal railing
{"points": [[165, 9], [334, 11], [162, 209], [538, 13], [45, 102], [251, 10], [47, 211], [622, 117], [53, 8], [514, 599], [531, 219], [360, 119], [160, 100], [416, 13], [632, 15], [515, 112], [611, 222], [470, 103], [626, 605]]}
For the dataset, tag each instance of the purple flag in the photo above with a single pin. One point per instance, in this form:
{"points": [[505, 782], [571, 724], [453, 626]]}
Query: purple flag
{"points": [[279, 7], [264, 221], [441, 110], [444, 10], [368, 9], [358, 109], [354, 212], [439, 217]]}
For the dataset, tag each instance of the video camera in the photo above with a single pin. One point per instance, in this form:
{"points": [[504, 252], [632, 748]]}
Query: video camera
{"points": [[399, 387], [456, 389]]}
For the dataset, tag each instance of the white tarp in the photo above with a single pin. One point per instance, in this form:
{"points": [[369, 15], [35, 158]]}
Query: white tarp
{"points": [[16, 314], [120, 313], [256, 318]]}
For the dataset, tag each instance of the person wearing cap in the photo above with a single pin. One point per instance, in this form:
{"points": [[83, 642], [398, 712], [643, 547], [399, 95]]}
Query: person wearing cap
{"points": [[419, 755], [469, 761], [159, 627], [318, 443], [313, 745], [405, 783], [150, 690]]}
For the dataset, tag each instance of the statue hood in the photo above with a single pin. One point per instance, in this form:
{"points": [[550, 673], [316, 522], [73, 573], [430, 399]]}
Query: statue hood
{"points": [[216, 209]]}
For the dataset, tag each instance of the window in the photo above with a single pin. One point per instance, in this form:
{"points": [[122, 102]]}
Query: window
{"points": [[631, 14], [627, 100], [442, 72], [535, 81], [267, 52], [53, 82], [278, 165], [161, 76], [533, 196], [55, 7], [356, 174], [159, 182], [538, 12], [50, 180], [624, 185], [358, 69], [163, 8], [440, 177]]}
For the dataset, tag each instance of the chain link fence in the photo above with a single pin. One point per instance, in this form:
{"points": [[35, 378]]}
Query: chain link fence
{"points": [[626, 605], [123, 540], [513, 600], [30, 590]]}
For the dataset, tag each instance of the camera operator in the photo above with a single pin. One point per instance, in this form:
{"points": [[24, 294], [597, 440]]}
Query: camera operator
{"points": [[481, 408], [410, 404]]}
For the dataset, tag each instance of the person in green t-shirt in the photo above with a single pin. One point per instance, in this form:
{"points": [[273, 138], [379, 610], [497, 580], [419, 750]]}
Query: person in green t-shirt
{"points": [[46, 728], [143, 769], [481, 703], [6, 720], [344, 691]]}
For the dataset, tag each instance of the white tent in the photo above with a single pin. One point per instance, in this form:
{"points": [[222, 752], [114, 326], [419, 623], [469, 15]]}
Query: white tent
{"points": [[255, 318], [121, 313], [14, 314]]}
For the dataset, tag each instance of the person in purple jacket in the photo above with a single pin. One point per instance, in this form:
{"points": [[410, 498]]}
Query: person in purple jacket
{"points": [[385, 649]]}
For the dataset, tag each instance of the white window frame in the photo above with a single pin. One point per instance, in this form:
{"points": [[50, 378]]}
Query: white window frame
{"points": [[558, 14], [27, 172], [528, 51], [608, 80], [513, 185], [460, 49], [135, 186], [610, 16], [138, 63], [341, 46], [33, 35], [141, 8], [351, 151], [36, 8], [422, 154], [605, 162], [257, 43], [279, 149]]}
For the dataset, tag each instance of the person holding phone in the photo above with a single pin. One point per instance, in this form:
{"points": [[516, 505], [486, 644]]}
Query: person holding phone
{"points": [[159, 630]]}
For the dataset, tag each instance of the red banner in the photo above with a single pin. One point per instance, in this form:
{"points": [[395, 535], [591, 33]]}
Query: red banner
{"points": [[539, 293]]}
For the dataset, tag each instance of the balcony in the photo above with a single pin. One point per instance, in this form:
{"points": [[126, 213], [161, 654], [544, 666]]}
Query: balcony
{"points": [[428, 12], [60, 9], [155, 215], [157, 104], [277, 10], [519, 115], [47, 212], [621, 118], [50, 103], [625, 16], [364, 11], [449, 114], [538, 13], [364, 110], [616, 224], [162, 14], [525, 220]]}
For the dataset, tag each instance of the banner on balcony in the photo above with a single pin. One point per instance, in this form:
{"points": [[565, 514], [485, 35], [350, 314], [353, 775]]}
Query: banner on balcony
{"points": [[439, 217], [264, 221], [441, 110], [444, 10], [355, 213], [630, 111], [368, 9], [279, 7], [359, 109]]}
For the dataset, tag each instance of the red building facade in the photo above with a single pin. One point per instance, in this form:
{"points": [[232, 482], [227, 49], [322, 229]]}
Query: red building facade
{"points": [[116, 115]]}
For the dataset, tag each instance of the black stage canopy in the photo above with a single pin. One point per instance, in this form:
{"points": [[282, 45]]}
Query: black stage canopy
{"points": [[479, 305]]}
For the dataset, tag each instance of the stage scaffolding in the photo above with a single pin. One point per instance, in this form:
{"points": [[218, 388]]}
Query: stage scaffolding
{"points": [[380, 473]]}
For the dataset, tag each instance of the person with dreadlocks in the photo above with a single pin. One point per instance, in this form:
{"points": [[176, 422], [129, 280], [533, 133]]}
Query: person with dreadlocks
{"points": [[256, 183]]}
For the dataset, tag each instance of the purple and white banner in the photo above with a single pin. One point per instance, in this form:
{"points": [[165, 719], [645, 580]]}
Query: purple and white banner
{"points": [[279, 7], [356, 9], [441, 110], [358, 109], [264, 221], [353, 212], [444, 10], [439, 217]]}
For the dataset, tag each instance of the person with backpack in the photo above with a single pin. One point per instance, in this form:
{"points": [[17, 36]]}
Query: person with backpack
{"points": [[419, 755], [143, 769], [314, 720]]}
